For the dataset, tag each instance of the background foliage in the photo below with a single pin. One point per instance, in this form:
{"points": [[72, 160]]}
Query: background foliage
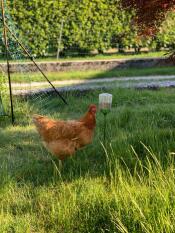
{"points": [[88, 25]]}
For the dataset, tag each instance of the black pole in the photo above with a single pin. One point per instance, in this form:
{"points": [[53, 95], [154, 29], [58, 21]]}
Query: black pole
{"points": [[31, 58], [105, 126], [7, 59]]}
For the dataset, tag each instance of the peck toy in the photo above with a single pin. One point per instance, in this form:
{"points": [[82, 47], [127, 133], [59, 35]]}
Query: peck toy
{"points": [[105, 104]]}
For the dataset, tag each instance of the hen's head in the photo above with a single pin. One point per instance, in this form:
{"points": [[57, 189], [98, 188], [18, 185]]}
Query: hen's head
{"points": [[92, 109], [89, 118]]}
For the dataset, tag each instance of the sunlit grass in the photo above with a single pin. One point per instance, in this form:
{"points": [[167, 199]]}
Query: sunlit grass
{"points": [[92, 74], [101, 56], [109, 56]]}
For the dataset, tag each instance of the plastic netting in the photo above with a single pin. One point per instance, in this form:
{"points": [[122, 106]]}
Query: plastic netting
{"points": [[23, 72]]}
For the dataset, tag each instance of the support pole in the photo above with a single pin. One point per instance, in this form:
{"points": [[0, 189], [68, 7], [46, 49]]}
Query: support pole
{"points": [[31, 58], [105, 127], [7, 59], [60, 38]]}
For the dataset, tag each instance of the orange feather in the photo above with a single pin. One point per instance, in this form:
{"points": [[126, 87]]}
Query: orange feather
{"points": [[63, 138]]}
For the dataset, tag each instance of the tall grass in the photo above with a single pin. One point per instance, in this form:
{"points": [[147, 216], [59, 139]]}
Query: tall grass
{"points": [[127, 186], [4, 92]]}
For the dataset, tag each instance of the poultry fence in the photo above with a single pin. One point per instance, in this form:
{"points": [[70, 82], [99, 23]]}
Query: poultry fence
{"points": [[20, 83]]}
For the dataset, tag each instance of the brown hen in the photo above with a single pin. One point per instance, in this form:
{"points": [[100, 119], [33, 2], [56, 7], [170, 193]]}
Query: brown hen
{"points": [[63, 138]]}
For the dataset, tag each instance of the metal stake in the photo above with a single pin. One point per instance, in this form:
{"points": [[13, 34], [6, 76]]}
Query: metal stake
{"points": [[7, 59], [105, 113], [105, 126]]}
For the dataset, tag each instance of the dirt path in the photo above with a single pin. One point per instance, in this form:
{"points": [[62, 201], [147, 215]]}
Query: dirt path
{"points": [[81, 85]]}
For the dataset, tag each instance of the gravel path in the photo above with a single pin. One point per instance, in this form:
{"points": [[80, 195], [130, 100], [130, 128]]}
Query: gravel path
{"points": [[82, 85]]}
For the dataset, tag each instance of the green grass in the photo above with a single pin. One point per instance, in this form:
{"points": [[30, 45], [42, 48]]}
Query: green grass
{"points": [[104, 56], [110, 56], [128, 188], [93, 74]]}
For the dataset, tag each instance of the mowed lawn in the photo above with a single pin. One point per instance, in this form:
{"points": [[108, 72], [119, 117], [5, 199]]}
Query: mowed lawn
{"points": [[105, 56], [91, 74], [129, 186]]}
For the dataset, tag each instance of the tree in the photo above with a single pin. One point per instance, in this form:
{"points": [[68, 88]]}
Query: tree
{"points": [[166, 35], [31, 18], [88, 24], [149, 13]]}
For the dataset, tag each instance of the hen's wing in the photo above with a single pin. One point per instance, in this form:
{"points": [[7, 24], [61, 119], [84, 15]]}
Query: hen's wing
{"points": [[62, 148], [53, 130]]}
